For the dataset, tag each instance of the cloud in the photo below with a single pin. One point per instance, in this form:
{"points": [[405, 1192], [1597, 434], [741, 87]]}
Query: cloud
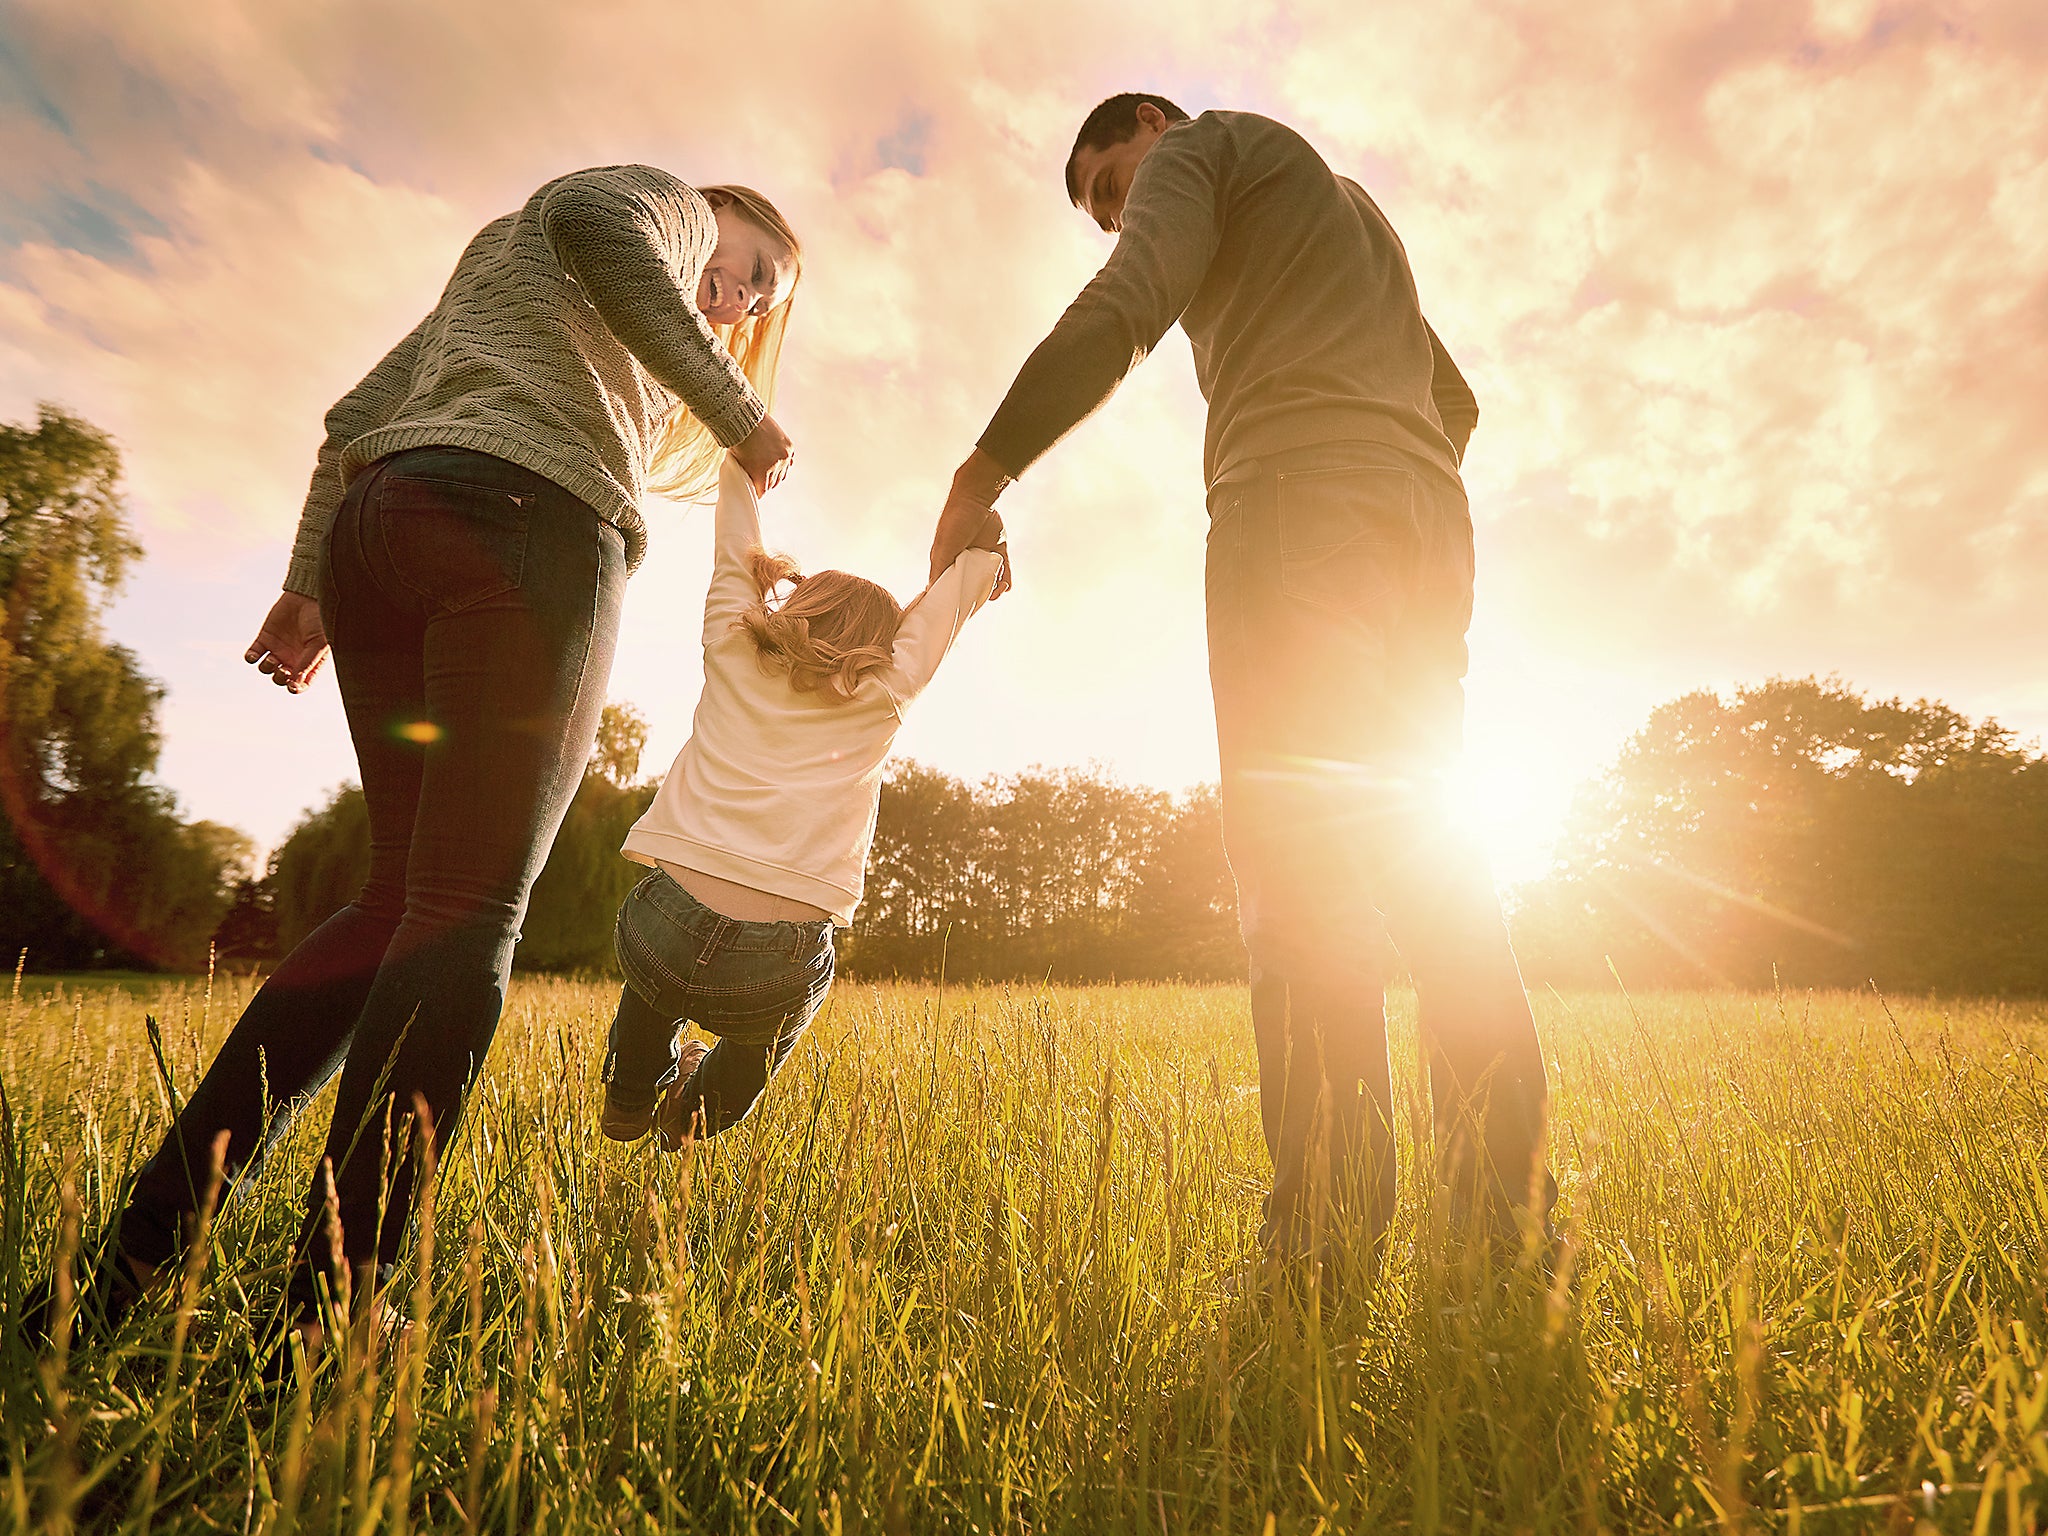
{"points": [[1754, 295]]}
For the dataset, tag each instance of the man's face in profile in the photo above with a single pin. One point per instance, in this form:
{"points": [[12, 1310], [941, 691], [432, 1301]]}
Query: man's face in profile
{"points": [[1104, 175]]}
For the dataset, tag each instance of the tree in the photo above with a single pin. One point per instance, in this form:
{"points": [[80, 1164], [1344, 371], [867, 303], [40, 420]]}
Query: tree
{"points": [[568, 924], [1798, 831], [95, 865], [320, 866], [1062, 873]]}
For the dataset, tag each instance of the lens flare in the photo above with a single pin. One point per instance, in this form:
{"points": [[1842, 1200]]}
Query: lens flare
{"points": [[422, 733]]}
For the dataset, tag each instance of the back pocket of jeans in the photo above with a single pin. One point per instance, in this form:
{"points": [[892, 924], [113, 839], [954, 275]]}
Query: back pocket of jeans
{"points": [[1349, 541], [454, 543]]}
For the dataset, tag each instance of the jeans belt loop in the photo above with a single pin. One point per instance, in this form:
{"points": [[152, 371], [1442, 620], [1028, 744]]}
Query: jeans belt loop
{"points": [[711, 945]]}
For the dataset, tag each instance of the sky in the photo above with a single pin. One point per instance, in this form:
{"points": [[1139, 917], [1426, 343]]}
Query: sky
{"points": [[1753, 294]]}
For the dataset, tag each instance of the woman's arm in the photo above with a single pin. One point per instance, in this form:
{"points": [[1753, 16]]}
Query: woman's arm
{"points": [[370, 405], [738, 534], [635, 239]]}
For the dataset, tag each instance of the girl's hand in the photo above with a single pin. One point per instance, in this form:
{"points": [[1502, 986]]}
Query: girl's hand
{"points": [[993, 538], [765, 454], [291, 647]]}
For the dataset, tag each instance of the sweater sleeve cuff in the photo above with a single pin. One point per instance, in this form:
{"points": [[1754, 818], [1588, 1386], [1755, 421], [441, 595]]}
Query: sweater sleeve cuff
{"points": [[733, 424], [1011, 457], [303, 577]]}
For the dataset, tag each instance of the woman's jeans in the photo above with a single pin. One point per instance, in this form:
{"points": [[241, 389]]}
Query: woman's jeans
{"points": [[1339, 591], [755, 985], [473, 607]]}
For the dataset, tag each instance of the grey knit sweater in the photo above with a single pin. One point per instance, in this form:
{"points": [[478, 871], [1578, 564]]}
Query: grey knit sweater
{"points": [[1292, 287], [565, 338]]}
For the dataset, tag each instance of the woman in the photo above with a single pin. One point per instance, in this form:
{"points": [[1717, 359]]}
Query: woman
{"points": [[464, 549]]}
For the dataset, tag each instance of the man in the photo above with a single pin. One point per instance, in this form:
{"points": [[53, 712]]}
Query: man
{"points": [[1339, 591]]}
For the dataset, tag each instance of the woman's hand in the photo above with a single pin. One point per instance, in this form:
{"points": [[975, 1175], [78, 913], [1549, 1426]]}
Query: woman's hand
{"points": [[291, 647], [765, 454]]}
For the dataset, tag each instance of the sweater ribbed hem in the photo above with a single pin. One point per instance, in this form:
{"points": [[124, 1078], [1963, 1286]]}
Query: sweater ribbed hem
{"points": [[1313, 426], [600, 494], [645, 846]]}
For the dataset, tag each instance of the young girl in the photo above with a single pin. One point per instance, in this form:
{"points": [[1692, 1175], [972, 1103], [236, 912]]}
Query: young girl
{"points": [[759, 837]]}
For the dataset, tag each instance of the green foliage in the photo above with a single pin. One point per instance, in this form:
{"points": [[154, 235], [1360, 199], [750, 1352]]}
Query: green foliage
{"points": [[95, 865], [1068, 874], [968, 1267], [1064, 873], [1799, 829], [568, 924], [323, 861], [320, 866]]}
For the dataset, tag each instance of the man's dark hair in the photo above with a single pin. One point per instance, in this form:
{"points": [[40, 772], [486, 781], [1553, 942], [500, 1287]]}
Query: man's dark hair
{"points": [[1113, 123]]}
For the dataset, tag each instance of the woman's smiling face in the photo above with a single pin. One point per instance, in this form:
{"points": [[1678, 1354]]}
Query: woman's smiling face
{"points": [[748, 274]]}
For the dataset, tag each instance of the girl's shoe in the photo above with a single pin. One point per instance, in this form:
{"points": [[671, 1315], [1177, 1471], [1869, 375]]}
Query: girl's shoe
{"points": [[676, 1126], [625, 1121]]}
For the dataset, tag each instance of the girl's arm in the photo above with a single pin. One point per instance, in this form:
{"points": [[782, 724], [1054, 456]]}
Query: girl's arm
{"points": [[738, 534], [933, 622], [635, 240], [370, 405]]}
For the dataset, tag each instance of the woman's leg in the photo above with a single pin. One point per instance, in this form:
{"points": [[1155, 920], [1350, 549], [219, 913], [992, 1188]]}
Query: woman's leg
{"points": [[518, 585], [293, 1035]]}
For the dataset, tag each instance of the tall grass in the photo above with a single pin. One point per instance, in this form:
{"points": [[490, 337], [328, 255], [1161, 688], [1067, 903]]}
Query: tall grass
{"points": [[969, 1267]]}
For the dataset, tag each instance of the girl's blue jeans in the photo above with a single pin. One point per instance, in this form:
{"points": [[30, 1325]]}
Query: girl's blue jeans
{"points": [[754, 985]]}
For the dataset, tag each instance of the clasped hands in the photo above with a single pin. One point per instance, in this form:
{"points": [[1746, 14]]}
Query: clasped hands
{"points": [[969, 519]]}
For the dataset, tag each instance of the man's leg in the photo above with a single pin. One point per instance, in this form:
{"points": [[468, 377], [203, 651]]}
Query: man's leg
{"points": [[1486, 1066], [1295, 819]]}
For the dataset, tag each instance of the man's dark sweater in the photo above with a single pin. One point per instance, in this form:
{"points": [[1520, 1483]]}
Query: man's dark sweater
{"points": [[1290, 283]]}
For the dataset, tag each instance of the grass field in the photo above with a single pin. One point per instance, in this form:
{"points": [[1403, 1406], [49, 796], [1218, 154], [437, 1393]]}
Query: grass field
{"points": [[966, 1270]]}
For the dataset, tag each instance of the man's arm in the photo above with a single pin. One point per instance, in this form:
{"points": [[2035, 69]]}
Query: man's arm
{"points": [[637, 261], [1456, 406], [1168, 239]]}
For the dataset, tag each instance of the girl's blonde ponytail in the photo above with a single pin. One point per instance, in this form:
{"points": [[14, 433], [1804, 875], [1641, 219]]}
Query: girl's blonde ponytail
{"points": [[830, 632]]}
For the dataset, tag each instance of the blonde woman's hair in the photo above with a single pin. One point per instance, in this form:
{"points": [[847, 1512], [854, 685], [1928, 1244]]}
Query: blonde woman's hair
{"points": [[685, 458], [831, 631]]}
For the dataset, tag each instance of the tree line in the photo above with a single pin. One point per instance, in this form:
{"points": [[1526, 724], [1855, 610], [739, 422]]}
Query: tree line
{"points": [[1798, 833], [1064, 874], [1793, 832]]}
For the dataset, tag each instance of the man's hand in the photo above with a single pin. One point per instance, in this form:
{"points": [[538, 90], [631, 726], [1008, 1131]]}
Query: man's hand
{"points": [[968, 513], [291, 647], [991, 538], [765, 454]]}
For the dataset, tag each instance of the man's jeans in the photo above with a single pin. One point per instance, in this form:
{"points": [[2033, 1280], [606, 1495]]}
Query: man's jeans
{"points": [[473, 607], [755, 985], [1339, 592]]}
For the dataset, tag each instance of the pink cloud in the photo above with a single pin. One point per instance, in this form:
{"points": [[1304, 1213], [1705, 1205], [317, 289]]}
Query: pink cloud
{"points": [[1752, 295]]}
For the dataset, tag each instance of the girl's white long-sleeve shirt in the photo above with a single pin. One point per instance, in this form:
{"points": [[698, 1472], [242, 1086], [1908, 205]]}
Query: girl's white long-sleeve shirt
{"points": [[776, 789]]}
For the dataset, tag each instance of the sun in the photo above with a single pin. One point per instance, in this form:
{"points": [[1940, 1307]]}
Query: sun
{"points": [[1513, 804]]}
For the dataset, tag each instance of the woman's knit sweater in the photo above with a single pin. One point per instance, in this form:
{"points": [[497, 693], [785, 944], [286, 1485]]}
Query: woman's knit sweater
{"points": [[564, 340]]}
